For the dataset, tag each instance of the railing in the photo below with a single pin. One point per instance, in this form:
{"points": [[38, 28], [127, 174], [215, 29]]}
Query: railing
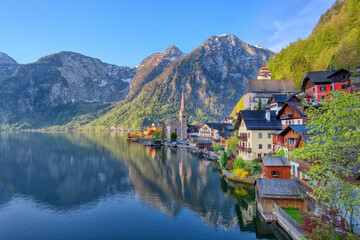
{"points": [[242, 137], [241, 148], [249, 150], [287, 116], [287, 217]]}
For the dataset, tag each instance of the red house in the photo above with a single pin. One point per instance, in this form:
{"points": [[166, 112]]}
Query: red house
{"points": [[275, 167], [317, 85]]}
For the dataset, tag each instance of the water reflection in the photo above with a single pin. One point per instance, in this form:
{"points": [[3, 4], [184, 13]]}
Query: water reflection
{"points": [[65, 172]]}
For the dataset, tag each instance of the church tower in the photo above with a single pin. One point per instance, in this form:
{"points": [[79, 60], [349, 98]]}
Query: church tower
{"points": [[183, 118]]}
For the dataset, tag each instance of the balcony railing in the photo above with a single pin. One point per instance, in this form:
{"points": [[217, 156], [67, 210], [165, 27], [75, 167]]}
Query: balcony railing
{"points": [[249, 150], [287, 116], [241, 148], [242, 137]]}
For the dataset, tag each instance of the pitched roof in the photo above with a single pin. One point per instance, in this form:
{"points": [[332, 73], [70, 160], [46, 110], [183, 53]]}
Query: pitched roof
{"points": [[193, 127], [219, 126], [256, 120], [300, 129], [296, 106], [320, 76], [279, 188], [280, 98], [171, 121], [271, 161], [270, 86], [204, 142]]}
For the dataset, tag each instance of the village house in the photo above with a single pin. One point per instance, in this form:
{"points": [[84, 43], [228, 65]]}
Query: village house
{"points": [[317, 85], [212, 131], [275, 167], [228, 120], [203, 144], [278, 100], [155, 127], [283, 192], [193, 131], [262, 88], [296, 136], [355, 85], [292, 113], [255, 129]]}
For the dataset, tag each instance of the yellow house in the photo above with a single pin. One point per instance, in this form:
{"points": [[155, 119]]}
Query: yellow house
{"points": [[254, 135]]}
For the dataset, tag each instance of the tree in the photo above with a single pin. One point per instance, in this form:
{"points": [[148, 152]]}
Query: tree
{"points": [[333, 153], [232, 145], [224, 159], [259, 106], [173, 136], [156, 134], [239, 163], [217, 147]]}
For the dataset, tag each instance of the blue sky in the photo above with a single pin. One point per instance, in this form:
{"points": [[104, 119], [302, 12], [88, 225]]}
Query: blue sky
{"points": [[126, 32]]}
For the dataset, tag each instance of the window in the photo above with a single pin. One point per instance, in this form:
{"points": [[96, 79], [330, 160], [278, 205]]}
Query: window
{"points": [[331, 88], [248, 135], [275, 173], [269, 135], [260, 135], [344, 86], [269, 146], [322, 97], [260, 146], [322, 88], [291, 141]]}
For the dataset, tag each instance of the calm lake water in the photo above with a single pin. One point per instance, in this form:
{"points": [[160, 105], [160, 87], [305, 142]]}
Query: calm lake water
{"points": [[97, 186]]}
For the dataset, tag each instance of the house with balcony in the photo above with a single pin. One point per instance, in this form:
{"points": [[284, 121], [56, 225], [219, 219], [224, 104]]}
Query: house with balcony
{"points": [[296, 136], [255, 128], [278, 100], [317, 85], [292, 113], [275, 167]]}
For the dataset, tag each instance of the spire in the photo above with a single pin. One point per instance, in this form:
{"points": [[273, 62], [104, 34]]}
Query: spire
{"points": [[182, 109]]}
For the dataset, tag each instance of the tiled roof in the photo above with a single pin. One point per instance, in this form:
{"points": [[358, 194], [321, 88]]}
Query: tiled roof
{"points": [[270, 161], [300, 129], [270, 86], [279, 188], [255, 120], [204, 142], [219, 126]]}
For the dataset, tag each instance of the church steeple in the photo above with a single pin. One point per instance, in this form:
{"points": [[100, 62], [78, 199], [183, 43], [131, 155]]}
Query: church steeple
{"points": [[183, 118], [182, 109]]}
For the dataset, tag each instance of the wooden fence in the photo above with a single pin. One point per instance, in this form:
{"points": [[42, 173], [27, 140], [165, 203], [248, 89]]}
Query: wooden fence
{"points": [[288, 218]]}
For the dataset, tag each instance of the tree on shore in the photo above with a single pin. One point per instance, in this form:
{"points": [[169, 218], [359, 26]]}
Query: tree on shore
{"points": [[156, 134], [173, 136], [163, 131], [334, 155]]}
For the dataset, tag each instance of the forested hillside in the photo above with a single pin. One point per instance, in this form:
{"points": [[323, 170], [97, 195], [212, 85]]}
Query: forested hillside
{"points": [[334, 41]]}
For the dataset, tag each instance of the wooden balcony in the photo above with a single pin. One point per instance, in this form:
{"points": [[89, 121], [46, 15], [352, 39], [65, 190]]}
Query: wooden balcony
{"points": [[241, 148], [242, 137], [249, 150]]}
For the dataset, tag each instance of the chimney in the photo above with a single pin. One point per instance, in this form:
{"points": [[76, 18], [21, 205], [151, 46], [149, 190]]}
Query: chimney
{"points": [[331, 68], [267, 115]]}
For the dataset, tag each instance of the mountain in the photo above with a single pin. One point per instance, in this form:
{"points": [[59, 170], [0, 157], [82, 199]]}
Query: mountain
{"points": [[334, 41], [7, 66], [58, 83], [213, 77], [152, 67]]}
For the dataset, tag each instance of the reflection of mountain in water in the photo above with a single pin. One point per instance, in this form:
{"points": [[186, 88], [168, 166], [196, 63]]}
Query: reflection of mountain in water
{"points": [[68, 171], [57, 172]]}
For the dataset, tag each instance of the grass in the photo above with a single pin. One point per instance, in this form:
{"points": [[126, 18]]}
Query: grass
{"points": [[294, 213]]}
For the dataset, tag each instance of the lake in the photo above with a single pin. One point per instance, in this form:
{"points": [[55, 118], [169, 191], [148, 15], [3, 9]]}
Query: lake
{"points": [[98, 186]]}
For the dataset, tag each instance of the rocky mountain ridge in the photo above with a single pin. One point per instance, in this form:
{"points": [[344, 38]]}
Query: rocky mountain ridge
{"points": [[7, 66], [213, 76]]}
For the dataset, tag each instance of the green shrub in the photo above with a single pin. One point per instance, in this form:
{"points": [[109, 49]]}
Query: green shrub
{"points": [[218, 147], [239, 163], [173, 136], [224, 159]]}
